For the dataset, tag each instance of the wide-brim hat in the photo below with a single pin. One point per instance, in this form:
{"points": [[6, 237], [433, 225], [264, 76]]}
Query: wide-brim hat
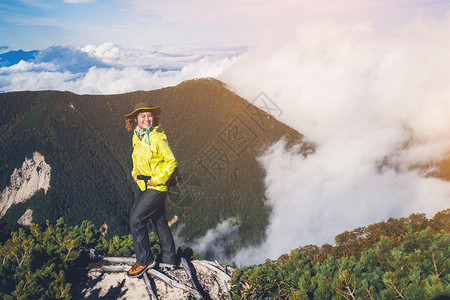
{"points": [[143, 106]]}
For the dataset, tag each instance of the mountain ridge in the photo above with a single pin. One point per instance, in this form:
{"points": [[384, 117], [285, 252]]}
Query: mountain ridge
{"points": [[215, 135]]}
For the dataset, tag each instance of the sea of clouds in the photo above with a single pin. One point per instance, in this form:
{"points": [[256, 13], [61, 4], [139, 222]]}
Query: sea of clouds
{"points": [[373, 104], [109, 68]]}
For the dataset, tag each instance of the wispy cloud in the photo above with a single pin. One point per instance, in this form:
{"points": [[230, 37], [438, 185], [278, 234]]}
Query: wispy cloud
{"points": [[79, 1], [218, 242], [24, 20], [198, 23], [36, 3], [252, 21]]}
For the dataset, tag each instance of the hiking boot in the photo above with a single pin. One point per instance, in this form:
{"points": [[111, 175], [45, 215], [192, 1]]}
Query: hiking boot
{"points": [[137, 270]]}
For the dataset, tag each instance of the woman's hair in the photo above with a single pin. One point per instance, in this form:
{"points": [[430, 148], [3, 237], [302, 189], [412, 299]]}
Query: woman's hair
{"points": [[130, 124]]}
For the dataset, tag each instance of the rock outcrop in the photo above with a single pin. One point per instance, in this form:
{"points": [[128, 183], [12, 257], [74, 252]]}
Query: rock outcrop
{"points": [[197, 279], [26, 218], [25, 182]]}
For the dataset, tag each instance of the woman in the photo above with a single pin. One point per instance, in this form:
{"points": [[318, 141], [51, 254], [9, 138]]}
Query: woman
{"points": [[151, 157]]}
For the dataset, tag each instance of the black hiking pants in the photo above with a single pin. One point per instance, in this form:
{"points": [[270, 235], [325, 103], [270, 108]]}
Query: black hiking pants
{"points": [[151, 206]]}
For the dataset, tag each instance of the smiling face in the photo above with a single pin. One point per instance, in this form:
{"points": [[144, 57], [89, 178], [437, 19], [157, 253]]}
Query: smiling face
{"points": [[144, 120]]}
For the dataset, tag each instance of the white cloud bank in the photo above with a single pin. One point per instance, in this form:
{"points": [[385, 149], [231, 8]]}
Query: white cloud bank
{"points": [[112, 69], [218, 241], [361, 98]]}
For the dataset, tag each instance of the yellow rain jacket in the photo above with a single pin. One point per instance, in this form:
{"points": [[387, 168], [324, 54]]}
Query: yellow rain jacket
{"points": [[155, 160]]}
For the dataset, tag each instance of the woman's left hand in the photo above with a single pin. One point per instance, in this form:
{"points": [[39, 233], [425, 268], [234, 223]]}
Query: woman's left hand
{"points": [[150, 183]]}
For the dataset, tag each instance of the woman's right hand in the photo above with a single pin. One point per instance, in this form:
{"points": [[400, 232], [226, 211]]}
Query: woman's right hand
{"points": [[135, 177]]}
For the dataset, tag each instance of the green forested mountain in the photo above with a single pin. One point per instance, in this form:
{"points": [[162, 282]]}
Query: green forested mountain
{"points": [[215, 135]]}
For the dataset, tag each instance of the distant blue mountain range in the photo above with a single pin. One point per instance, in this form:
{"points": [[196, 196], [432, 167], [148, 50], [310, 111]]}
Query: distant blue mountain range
{"points": [[11, 58], [67, 67], [69, 59], [66, 59]]}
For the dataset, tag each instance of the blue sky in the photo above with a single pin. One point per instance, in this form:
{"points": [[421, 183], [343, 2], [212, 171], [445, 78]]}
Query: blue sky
{"points": [[37, 24], [34, 24]]}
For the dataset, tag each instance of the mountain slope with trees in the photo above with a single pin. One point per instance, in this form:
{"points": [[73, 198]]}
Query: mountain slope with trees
{"points": [[215, 135], [409, 259], [406, 258]]}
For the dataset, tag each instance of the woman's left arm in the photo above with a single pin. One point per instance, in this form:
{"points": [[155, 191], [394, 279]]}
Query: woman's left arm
{"points": [[167, 165]]}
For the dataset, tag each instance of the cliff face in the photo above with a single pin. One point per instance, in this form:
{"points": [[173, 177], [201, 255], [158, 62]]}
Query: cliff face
{"points": [[25, 181]]}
